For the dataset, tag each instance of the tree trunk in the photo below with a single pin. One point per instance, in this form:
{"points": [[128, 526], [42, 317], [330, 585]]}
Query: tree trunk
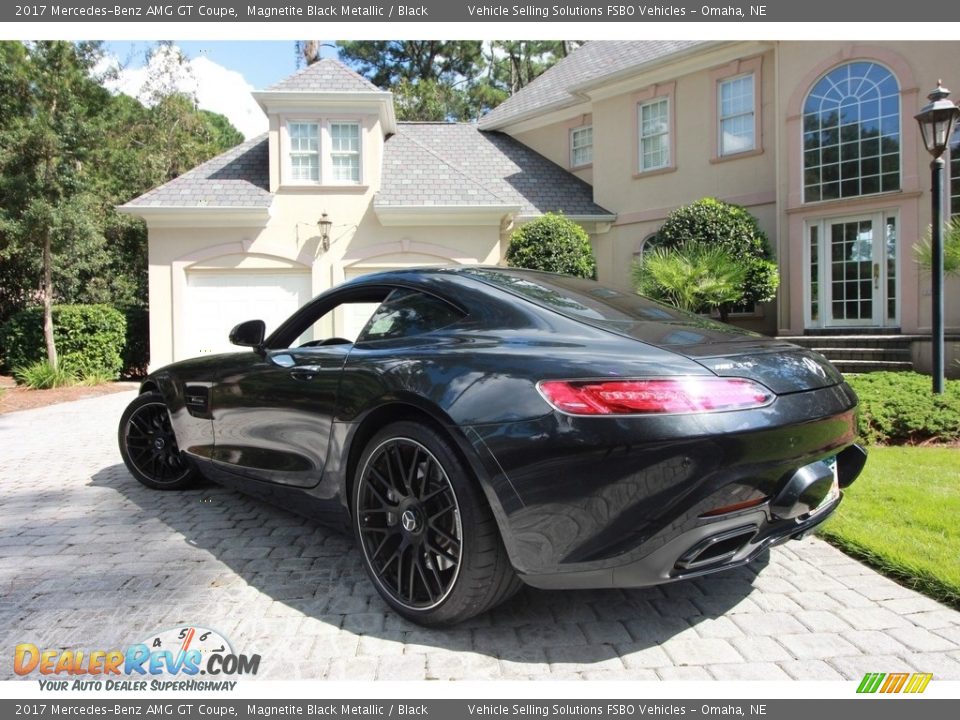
{"points": [[48, 299]]}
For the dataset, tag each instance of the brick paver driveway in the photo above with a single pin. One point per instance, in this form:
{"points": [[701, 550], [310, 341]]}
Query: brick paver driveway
{"points": [[89, 559]]}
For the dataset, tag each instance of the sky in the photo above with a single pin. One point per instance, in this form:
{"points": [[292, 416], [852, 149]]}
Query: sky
{"points": [[221, 74]]}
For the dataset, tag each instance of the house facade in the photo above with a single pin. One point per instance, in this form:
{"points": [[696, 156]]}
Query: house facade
{"points": [[816, 139]]}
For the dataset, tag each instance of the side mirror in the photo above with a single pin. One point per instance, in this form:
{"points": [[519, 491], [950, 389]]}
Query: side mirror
{"points": [[249, 333]]}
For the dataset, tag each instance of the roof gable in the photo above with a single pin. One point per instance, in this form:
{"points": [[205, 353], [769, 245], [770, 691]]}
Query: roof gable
{"points": [[477, 168], [238, 178], [326, 75], [593, 61]]}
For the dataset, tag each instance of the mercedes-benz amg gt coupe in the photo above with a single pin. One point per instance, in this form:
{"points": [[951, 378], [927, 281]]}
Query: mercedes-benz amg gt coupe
{"points": [[489, 427]]}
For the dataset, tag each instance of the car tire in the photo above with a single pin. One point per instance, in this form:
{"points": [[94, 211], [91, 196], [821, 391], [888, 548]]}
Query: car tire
{"points": [[149, 447], [427, 536]]}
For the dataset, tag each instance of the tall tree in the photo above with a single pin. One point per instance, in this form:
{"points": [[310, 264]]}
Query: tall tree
{"points": [[450, 79], [50, 123], [108, 149]]}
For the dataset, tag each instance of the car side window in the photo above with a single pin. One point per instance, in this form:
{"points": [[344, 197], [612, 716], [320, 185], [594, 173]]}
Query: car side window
{"points": [[407, 313]]}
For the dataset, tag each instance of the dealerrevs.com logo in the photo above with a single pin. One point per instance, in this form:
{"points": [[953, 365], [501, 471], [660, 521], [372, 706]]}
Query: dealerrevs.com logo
{"points": [[182, 658]]}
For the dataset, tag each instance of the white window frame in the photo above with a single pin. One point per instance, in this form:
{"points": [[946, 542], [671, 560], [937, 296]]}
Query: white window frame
{"points": [[574, 147], [752, 113], [641, 137], [289, 152], [345, 153]]}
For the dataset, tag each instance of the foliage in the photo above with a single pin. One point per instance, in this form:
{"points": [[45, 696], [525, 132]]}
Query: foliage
{"points": [[136, 345], [923, 250], [41, 375], [552, 243], [436, 80], [101, 150], [900, 517], [899, 408], [712, 222], [693, 276], [90, 338]]}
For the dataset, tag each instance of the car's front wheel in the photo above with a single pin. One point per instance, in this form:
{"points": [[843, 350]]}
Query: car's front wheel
{"points": [[149, 447], [428, 538]]}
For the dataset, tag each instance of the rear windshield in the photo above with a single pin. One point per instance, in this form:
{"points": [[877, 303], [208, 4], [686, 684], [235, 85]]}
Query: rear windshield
{"points": [[587, 299]]}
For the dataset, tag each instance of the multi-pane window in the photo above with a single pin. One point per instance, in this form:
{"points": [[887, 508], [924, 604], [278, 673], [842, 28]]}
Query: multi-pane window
{"points": [[851, 133], [581, 146], [737, 112], [655, 134], [304, 151], [955, 174], [345, 151]]}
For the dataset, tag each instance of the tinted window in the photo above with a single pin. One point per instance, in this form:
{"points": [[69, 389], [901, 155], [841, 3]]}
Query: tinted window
{"points": [[407, 313], [584, 298]]}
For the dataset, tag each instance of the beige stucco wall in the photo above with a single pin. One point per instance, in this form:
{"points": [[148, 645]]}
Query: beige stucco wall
{"points": [[291, 240], [918, 66]]}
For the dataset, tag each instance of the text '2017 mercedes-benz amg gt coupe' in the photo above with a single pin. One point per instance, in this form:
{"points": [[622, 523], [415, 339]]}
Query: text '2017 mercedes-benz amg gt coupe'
{"points": [[489, 427]]}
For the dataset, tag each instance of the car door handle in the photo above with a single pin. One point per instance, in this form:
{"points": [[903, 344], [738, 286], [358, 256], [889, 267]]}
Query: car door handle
{"points": [[306, 372]]}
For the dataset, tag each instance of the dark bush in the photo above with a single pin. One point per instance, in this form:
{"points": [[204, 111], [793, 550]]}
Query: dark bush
{"points": [[89, 338], [897, 408], [552, 243], [136, 348]]}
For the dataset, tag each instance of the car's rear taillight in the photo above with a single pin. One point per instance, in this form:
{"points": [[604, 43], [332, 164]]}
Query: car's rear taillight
{"points": [[654, 396]]}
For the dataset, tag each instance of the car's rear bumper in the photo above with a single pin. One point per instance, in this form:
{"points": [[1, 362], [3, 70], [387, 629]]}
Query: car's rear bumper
{"points": [[600, 502], [721, 544]]}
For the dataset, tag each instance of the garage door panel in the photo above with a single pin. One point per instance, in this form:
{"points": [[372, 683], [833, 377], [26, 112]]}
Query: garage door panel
{"points": [[218, 300]]}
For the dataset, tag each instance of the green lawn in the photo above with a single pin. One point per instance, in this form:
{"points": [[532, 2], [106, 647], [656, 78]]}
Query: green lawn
{"points": [[902, 516]]}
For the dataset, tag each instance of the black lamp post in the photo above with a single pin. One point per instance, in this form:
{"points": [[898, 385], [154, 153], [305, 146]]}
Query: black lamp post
{"points": [[936, 121]]}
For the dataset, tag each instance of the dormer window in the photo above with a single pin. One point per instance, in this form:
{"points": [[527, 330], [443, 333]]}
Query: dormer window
{"points": [[321, 152], [345, 151], [304, 151]]}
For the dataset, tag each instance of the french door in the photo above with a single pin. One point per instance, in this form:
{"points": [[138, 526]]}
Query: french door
{"points": [[852, 272]]}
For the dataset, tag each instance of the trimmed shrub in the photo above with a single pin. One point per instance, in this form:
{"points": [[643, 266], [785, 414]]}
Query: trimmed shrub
{"points": [[716, 223], [555, 244], [89, 338], [897, 408]]}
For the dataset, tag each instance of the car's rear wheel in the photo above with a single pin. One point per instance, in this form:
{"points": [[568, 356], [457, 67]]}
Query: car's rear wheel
{"points": [[149, 447], [429, 541]]}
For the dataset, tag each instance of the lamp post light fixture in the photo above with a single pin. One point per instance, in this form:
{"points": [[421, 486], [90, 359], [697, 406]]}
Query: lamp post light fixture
{"points": [[937, 120], [325, 224]]}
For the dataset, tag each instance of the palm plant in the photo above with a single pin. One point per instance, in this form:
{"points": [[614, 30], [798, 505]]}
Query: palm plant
{"points": [[693, 276]]}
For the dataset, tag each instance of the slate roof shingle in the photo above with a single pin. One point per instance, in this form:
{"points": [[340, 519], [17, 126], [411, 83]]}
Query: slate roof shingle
{"points": [[457, 164], [592, 61], [237, 178], [326, 75]]}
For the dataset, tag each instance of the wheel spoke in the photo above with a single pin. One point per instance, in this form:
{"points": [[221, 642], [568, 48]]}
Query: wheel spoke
{"points": [[416, 557], [443, 553], [445, 535]]}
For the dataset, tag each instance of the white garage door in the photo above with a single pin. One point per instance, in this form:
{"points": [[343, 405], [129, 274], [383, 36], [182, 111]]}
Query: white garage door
{"points": [[216, 300]]}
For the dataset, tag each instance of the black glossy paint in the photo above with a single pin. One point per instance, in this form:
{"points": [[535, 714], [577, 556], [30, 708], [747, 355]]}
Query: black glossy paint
{"points": [[579, 501]]}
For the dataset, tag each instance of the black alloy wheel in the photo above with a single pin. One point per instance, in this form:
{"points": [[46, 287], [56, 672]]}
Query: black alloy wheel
{"points": [[410, 526], [149, 447], [428, 539]]}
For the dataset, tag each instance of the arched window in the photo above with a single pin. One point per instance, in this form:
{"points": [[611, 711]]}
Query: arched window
{"points": [[851, 133]]}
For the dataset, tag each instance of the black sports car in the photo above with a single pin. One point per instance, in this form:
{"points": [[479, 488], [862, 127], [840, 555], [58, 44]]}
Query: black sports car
{"points": [[490, 426]]}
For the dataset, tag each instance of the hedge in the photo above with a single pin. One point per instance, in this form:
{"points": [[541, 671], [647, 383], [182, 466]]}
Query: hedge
{"points": [[90, 338], [898, 408]]}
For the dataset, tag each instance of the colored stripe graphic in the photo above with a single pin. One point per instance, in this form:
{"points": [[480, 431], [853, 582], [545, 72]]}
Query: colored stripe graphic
{"points": [[918, 683], [870, 682], [894, 682]]}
